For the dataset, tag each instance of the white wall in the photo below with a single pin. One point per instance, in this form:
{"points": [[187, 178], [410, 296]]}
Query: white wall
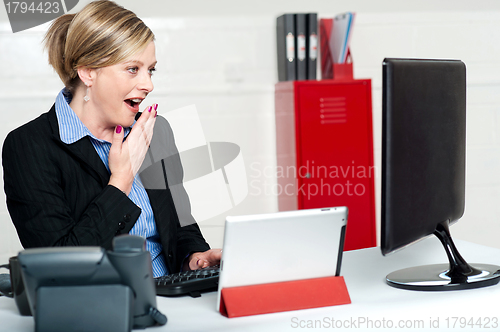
{"points": [[220, 56]]}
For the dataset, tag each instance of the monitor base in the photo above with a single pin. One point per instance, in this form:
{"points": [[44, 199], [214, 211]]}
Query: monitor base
{"points": [[435, 278], [458, 274]]}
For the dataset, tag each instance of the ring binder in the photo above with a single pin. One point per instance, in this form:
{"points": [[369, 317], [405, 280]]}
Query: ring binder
{"points": [[285, 33]]}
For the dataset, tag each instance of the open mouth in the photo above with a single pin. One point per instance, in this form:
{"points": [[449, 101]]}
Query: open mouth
{"points": [[133, 103]]}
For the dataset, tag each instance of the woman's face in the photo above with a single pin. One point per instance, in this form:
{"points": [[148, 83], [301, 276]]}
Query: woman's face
{"points": [[118, 90]]}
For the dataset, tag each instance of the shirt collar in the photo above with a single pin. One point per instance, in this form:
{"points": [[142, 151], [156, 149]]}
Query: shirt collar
{"points": [[71, 128]]}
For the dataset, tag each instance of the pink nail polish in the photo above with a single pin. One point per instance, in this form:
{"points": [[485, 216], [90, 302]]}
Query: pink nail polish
{"points": [[156, 106], [149, 109], [118, 129]]}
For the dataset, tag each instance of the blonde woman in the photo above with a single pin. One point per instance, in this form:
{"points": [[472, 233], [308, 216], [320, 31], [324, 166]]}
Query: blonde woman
{"points": [[71, 174]]}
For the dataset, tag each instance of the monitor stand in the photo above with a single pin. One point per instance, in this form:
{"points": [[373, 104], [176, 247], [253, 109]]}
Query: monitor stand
{"points": [[442, 277]]}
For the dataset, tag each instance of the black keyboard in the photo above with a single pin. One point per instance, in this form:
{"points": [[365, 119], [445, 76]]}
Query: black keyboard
{"points": [[188, 282]]}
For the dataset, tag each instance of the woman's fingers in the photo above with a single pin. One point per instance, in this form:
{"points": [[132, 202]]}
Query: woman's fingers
{"points": [[149, 126], [126, 157], [121, 175], [118, 136], [200, 260], [146, 114], [140, 137], [145, 124], [116, 144]]}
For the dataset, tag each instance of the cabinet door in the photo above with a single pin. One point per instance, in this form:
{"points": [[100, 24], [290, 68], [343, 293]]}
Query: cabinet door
{"points": [[335, 154]]}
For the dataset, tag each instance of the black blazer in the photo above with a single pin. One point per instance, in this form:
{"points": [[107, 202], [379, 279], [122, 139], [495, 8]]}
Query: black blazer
{"points": [[58, 195]]}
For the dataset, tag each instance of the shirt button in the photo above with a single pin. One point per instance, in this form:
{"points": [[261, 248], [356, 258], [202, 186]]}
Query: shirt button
{"points": [[118, 232], [121, 225], [170, 255], [126, 217]]}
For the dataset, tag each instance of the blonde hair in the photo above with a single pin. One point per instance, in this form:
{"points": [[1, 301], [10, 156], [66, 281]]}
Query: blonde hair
{"points": [[101, 34]]}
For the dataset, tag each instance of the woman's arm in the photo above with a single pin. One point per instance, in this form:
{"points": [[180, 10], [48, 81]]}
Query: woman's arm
{"points": [[55, 202]]}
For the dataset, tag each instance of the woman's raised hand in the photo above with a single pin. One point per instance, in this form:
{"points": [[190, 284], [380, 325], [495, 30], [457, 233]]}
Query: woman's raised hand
{"points": [[126, 157]]}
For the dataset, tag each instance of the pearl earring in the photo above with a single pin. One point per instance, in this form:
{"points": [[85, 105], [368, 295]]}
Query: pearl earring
{"points": [[87, 98]]}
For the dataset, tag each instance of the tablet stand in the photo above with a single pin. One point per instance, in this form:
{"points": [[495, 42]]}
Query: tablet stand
{"points": [[283, 296]]}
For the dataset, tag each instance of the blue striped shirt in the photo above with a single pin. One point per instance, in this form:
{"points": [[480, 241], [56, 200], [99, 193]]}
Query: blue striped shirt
{"points": [[72, 129]]}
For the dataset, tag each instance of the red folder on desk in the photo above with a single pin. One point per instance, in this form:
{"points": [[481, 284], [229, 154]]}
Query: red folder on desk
{"points": [[283, 296]]}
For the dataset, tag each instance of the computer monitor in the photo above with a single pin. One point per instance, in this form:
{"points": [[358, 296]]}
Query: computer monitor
{"points": [[423, 169]]}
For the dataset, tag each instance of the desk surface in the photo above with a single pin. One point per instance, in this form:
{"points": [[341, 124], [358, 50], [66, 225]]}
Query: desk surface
{"points": [[375, 306]]}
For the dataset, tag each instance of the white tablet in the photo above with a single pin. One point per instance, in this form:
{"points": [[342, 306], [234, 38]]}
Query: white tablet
{"points": [[282, 246]]}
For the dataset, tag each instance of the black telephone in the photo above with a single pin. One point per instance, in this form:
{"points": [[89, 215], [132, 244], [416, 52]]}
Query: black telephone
{"points": [[90, 288]]}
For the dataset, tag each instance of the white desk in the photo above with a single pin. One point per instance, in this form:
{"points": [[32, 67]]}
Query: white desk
{"points": [[373, 302]]}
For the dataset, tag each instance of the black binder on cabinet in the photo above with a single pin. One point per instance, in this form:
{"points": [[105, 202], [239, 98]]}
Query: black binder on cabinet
{"points": [[301, 49], [285, 33], [312, 45]]}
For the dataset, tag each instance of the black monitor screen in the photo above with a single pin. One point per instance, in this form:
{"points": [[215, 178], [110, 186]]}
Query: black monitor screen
{"points": [[423, 169]]}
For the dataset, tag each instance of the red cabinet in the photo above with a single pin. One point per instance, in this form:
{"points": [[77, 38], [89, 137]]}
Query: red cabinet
{"points": [[325, 151]]}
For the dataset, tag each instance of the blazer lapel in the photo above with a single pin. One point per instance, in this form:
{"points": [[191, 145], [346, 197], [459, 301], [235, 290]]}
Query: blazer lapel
{"points": [[82, 150]]}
